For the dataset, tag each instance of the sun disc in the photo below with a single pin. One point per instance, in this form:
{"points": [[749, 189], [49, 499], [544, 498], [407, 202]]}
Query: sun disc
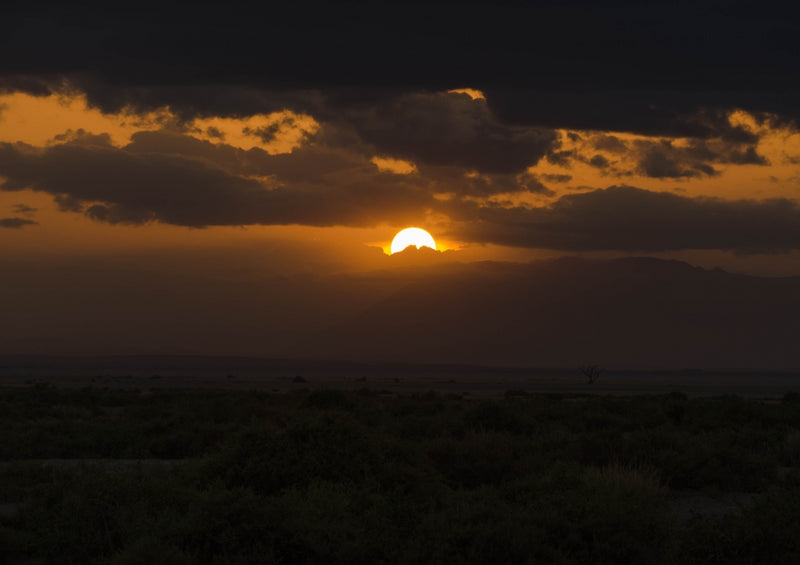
{"points": [[417, 237]]}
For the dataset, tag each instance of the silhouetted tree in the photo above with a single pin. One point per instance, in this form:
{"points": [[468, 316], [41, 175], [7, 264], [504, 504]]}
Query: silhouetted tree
{"points": [[592, 372]]}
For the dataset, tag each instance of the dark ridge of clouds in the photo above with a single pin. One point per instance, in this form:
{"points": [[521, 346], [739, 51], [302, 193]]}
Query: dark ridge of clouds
{"points": [[15, 223], [156, 187], [668, 113], [625, 218], [319, 163], [434, 128], [175, 179], [432, 44], [33, 84], [201, 98], [119, 186], [623, 66], [449, 129]]}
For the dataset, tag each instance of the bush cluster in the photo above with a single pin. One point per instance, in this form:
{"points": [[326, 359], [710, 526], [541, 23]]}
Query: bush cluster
{"points": [[328, 476]]}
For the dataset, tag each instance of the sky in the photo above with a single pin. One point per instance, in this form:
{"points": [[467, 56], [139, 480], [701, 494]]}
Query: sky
{"points": [[179, 148]]}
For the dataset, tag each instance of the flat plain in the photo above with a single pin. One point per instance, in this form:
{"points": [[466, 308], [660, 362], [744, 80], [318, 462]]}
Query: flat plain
{"points": [[326, 463]]}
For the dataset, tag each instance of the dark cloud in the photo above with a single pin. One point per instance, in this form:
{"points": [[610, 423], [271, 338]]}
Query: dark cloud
{"points": [[173, 178], [610, 143], [329, 161], [448, 129], [462, 183], [433, 128], [437, 129], [745, 156], [270, 133], [24, 209], [631, 219], [667, 112], [598, 161], [15, 222], [561, 158], [215, 133], [661, 161], [557, 178], [650, 68], [130, 186], [665, 159], [82, 137]]}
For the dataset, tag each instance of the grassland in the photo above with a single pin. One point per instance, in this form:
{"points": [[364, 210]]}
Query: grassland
{"points": [[118, 476]]}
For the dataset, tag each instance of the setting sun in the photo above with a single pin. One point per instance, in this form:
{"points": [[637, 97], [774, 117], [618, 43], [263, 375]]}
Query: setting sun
{"points": [[412, 236]]}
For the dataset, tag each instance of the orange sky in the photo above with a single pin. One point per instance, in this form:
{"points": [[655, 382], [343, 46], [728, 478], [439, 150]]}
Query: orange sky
{"points": [[46, 121]]}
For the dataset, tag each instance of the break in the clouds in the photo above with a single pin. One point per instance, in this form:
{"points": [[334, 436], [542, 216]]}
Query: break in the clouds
{"points": [[626, 218], [664, 157]]}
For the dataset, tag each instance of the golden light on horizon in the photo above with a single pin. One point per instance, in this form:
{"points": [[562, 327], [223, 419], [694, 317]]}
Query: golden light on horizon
{"points": [[417, 237]]}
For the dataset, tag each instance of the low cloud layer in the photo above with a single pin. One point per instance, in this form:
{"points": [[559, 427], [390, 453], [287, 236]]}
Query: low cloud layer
{"points": [[175, 179], [584, 65], [660, 69], [631, 219], [125, 186], [15, 222]]}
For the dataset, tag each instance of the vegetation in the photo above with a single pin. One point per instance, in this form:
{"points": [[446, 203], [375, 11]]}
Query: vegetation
{"points": [[591, 372], [121, 476]]}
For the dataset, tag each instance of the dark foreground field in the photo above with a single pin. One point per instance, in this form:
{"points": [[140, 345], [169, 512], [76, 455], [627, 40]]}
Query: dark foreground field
{"points": [[157, 475]]}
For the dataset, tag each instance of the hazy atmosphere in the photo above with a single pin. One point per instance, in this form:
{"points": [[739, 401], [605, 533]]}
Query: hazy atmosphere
{"points": [[210, 183], [439, 282]]}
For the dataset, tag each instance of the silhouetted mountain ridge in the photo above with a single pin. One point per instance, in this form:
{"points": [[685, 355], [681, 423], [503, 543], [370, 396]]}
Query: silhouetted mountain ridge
{"points": [[636, 312]]}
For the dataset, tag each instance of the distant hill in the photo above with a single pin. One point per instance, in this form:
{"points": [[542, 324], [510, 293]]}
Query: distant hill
{"points": [[629, 312], [423, 308]]}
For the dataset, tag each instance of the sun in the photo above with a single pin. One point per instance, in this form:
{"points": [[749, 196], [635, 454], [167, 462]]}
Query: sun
{"points": [[417, 237]]}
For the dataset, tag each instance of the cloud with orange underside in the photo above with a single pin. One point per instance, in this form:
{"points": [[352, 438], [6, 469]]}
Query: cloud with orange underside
{"points": [[396, 166]]}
